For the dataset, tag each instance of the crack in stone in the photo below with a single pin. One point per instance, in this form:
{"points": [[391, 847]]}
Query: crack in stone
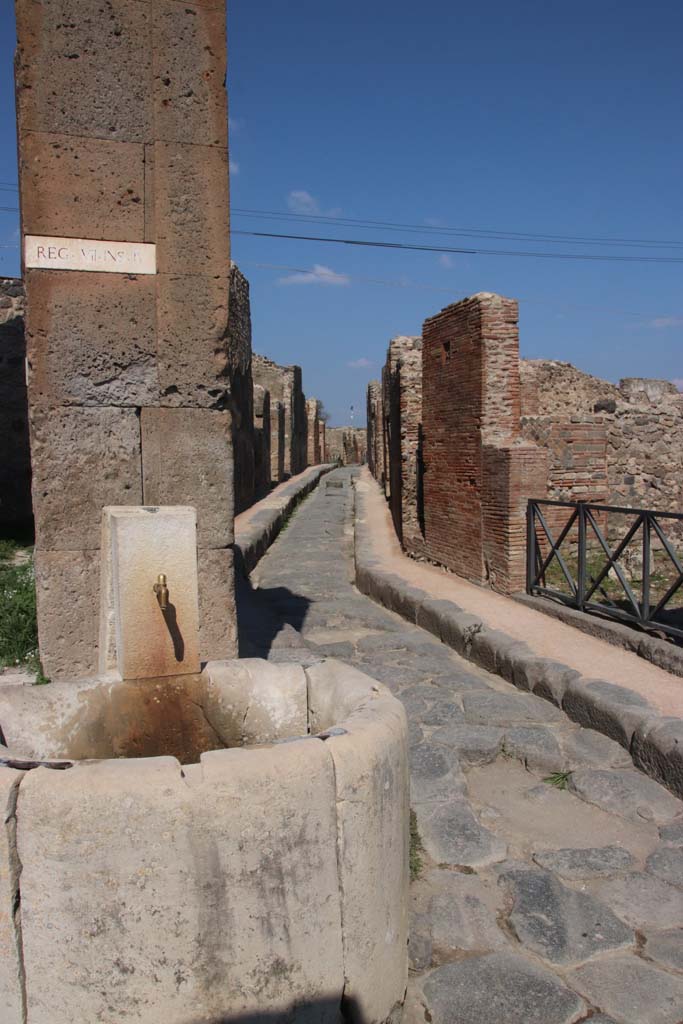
{"points": [[15, 869]]}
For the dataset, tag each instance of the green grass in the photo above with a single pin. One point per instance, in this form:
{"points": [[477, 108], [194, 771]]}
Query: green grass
{"points": [[416, 848], [18, 627], [560, 780]]}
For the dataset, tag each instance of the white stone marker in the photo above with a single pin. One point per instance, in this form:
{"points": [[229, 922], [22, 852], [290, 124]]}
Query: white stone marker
{"points": [[44, 252]]}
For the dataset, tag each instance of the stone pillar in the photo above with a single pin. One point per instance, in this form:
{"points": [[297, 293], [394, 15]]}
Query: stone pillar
{"points": [[262, 440], [241, 389], [15, 459], [277, 442], [313, 435], [284, 385], [122, 125], [478, 470], [321, 440], [403, 386]]}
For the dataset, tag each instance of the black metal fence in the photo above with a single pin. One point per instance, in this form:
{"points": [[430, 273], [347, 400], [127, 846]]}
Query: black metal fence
{"points": [[626, 563]]}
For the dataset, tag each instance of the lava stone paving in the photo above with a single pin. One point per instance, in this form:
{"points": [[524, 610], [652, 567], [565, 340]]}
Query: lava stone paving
{"points": [[549, 882]]}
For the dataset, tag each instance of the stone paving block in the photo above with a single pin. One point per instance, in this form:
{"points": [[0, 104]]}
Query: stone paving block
{"points": [[658, 750], [108, 81], [434, 774], [430, 613], [550, 680], [537, 748], [187, 460], [630, 990], [420, 942], [451, 834], [666, 948], [98, 455], [193, 341], [10, 971], [441, 712], [612, 710], [626, 793], [190, 103], [585, 863], [501, 987], [460, 917], [89, 345], [643, 901], [191, 209], [489, 646], [503, 709], [68, 607], [458, 629], [562, 926], [585, 748], [471, 744], [667, 863], [81, 188], [672, 833]]}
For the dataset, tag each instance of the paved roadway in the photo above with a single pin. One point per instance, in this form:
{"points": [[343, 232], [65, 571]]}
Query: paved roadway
{"points": [[536, 903]]}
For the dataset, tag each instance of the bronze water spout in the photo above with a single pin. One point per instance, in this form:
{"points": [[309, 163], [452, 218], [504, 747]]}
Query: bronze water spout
{"points": [[161, 590]]}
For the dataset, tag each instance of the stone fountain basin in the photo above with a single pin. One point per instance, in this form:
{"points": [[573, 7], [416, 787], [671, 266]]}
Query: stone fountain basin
{"points": [[266, 875]]}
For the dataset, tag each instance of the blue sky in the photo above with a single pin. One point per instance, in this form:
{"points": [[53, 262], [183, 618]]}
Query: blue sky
{"points": [[537, 117]]}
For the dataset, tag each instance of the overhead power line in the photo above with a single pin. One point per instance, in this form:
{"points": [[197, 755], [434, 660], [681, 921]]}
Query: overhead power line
{"points": [[518, 236], [591, 257]]}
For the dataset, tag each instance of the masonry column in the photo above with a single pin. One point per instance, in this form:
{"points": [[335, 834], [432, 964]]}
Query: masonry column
{"points": [[122, 125], [478, 470], [312, 436]]}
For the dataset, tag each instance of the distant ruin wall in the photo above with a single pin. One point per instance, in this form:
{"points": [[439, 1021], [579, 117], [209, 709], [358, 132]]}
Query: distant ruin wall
{"points": [[347, 445], [241, 389], [15, 457], [313, 432], [403, 398], [622, 444], [262, 442], [284, 385]]}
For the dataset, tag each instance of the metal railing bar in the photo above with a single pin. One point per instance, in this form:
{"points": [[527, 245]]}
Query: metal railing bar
{"points": [[555, 553], [667, 597], [667, 546], [555, 546], [612, 563], [609, 508]]}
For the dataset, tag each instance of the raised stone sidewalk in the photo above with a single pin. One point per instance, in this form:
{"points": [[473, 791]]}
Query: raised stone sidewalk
{"points": [[535, 903], [597, 685]]}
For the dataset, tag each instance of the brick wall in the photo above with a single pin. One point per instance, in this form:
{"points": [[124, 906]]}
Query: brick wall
{"points": [[15, 462], [478, 470], [375, 430]]}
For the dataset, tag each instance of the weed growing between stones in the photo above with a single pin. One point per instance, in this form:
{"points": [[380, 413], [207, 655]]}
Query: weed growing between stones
{"points": [[560, 780], [416, 849], [18, 627]]}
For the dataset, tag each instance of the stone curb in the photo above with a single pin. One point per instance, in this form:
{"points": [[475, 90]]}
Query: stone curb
{"points": [[654, 741], [269, 515], [661, 653]]}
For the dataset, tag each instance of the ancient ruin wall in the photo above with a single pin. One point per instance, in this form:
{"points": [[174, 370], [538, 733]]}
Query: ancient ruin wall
{"points": [[478, 471], [347, 445], [622, 444], [313, 432], [238, 369], [15, 464], [284, 385], [403, 380], [262, 442], [375, 429], [128, 381]]}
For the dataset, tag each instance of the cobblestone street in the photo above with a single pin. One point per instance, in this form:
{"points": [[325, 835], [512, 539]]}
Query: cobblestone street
{"points": [[551, 884]]}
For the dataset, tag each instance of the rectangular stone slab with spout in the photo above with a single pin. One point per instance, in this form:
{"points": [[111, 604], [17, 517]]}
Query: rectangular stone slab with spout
{"points": [[149, 624]]}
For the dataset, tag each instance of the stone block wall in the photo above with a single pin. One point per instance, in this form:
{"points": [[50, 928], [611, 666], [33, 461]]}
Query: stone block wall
{"points": [[622, 444], [314, 455], [15, 463], [375, 430], [262, 452], [122, 125], [284, 385], [478, 470], [403, 399], [238, 369], [347, 445], [322, 432]]}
